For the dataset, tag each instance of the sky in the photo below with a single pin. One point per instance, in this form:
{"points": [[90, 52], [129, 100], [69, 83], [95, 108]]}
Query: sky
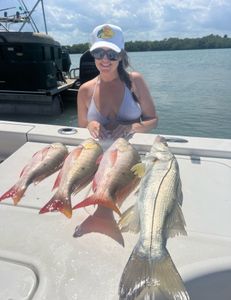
{"points": [[72, 21]]}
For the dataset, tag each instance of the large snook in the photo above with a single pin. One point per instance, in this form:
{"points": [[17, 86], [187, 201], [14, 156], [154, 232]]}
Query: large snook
{"points": [[78, 170], [114, 179], [43, 163], [150, 272]]}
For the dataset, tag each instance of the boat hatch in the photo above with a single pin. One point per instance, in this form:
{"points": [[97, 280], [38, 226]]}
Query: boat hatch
{"points": [[18, 281]]}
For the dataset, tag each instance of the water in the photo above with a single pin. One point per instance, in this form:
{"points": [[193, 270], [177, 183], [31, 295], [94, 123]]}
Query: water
{"points": [[191, 90]]}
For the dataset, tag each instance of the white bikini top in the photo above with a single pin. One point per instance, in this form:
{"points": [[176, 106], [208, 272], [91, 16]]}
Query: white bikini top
{"points": [[129, 110]]}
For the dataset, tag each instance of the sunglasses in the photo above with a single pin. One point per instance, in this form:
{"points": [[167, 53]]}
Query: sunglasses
{"points": [[99, 53]]}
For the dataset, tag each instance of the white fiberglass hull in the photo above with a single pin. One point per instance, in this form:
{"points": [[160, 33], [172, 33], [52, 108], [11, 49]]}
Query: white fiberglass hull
{"points": [[40, 258]]}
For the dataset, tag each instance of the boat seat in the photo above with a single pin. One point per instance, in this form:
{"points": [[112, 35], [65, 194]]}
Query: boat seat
{"points": [[87, 68]]}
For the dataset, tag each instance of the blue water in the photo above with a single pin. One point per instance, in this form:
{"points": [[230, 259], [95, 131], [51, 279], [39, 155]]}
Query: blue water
{"points": [[191, 90]]}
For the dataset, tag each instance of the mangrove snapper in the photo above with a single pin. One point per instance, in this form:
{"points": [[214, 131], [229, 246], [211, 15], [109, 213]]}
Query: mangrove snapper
{"points": [[114, 179], [77, 171], [150, 272], [43, 163]]}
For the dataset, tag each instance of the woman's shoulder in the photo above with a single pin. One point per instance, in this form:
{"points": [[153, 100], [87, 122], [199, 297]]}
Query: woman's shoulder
{"points": [[137, 81], [87, 87], [136, 77], [89, 84]]}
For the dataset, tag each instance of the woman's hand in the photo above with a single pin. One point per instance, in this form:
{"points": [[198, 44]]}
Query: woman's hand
{"points": [[97, 130], [121, 131]]}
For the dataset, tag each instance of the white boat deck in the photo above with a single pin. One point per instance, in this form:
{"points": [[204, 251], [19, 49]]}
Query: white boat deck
{"points": [[40, 258]]}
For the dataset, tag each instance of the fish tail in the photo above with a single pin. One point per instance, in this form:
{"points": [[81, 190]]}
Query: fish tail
{"points": [[58, 202], [94, 200], [16, 192], [151, 279]]}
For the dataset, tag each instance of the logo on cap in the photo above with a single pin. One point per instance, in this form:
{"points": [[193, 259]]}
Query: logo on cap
{"points": [[105, 33]]}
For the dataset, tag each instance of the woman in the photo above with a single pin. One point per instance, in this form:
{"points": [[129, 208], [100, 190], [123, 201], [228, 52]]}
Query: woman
{"points": [[115, 103]]}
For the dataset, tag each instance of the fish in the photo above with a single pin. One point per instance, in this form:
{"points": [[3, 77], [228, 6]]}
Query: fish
{"points": [[114, 179], [43, 163], [150, 272], [77, 172]]}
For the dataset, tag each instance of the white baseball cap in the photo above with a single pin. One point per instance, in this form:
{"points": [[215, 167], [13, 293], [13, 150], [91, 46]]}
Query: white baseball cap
{"points": [[107, 35]]}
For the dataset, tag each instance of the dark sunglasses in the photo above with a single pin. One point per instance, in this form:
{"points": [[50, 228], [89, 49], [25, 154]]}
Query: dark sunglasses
{"points": [[99, 53]]}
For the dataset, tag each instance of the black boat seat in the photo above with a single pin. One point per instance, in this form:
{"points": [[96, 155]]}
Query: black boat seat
{"points": [[87, 68]]}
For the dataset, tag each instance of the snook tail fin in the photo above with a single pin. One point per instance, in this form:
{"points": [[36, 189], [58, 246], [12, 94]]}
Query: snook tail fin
{"points": [[151, 279], [60, 203]]}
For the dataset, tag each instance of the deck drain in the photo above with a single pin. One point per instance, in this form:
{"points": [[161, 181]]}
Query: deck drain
{"points": [[67, 131]]}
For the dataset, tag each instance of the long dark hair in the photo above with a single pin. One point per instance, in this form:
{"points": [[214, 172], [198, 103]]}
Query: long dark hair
{"points": [[123, 74]]}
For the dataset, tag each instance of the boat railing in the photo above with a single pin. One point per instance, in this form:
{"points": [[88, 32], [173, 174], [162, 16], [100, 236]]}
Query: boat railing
{"points": [[74, 73]]}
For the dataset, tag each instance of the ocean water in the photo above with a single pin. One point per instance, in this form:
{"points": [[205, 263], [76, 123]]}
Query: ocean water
{"points": [[191, 90]]}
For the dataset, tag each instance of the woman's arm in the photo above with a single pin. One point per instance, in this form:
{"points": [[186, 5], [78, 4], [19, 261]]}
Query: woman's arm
{"points": [[149, 115], [82, 105]]}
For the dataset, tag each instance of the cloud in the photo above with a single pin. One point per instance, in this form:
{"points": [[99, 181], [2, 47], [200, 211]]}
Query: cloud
{"points": [[218, 18], [71, 21]]}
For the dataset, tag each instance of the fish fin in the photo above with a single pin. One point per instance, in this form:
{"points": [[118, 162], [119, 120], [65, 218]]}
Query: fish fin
{"points": [[44, 151], [130, 220], [102, 221], [98, 160], [175, 224], [24, 170], [113, 156], [77, 151], [57, 180], [151, 278], [16, 192], [41, 154], [36, 153], [9, 193], [138, 169], [58, 202], [40, 178], [74, 154], [179, 193], [94, 185], [124, 192], [93, 200]]}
